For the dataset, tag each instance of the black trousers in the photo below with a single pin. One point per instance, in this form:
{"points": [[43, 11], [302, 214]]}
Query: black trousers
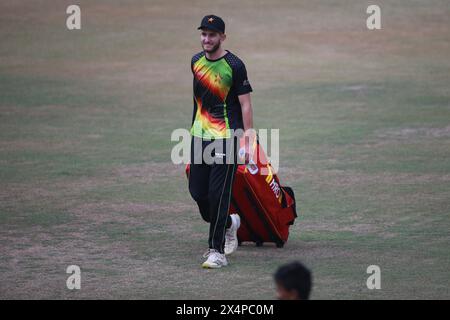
{"points": [[211, 176]]}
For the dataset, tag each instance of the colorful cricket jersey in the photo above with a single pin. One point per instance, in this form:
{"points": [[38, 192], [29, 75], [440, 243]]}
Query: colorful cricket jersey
{"points": [[217, 85]]}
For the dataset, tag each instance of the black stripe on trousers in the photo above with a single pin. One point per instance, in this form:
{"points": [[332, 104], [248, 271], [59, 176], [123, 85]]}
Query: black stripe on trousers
{"points": [[217, 234]]}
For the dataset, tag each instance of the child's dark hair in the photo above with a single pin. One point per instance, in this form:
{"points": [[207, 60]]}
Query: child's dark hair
{"points": [[295, 276]]}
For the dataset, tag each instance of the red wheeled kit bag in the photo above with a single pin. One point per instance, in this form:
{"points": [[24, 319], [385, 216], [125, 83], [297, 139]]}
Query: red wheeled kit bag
{"points": [[266, 208]]}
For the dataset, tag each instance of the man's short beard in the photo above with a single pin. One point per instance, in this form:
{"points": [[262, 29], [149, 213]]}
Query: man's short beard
{"points": [[214, 49]]}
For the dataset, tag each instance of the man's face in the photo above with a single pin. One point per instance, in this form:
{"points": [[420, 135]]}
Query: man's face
{"points": [[211, 40], [284, 294]]}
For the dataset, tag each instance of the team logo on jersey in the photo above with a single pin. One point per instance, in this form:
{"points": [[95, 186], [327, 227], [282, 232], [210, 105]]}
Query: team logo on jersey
{"points": [[218, 78]]}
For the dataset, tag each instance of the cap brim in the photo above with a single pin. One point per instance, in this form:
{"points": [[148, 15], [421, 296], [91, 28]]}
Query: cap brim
{"points": [[209, 28]]}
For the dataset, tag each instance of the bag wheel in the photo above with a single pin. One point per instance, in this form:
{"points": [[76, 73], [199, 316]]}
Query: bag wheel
{"points": [[280, 245], [239, 243], [259, 243]]}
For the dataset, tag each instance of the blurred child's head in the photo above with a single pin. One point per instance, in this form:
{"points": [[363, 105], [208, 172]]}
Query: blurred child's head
{"points": [[293, 282]]}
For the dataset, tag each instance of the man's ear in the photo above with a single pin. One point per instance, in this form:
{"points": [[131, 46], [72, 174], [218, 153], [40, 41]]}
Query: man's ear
{"points": [[224, 36]]}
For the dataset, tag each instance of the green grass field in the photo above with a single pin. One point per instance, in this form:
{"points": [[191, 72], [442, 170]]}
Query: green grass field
{"points": [[85, 124]]}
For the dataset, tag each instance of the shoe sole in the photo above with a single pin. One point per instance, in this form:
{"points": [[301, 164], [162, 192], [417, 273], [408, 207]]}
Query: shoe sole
{"points": [[235, 236], [207, 266], [235, 247]]}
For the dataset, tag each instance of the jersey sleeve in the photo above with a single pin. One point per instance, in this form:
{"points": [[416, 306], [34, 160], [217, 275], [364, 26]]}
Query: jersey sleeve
{"points": [[240, 81], [195, 58]]}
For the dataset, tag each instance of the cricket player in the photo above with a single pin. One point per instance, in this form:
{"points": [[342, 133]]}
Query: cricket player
{"points": [[221, 104]]}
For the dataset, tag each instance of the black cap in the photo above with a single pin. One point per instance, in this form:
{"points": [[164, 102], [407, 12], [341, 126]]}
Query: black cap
{"points": [[212, 22]]}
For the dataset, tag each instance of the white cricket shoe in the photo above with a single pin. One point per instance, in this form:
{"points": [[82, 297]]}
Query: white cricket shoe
{"points": [[231, 240], [215, 260]]}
